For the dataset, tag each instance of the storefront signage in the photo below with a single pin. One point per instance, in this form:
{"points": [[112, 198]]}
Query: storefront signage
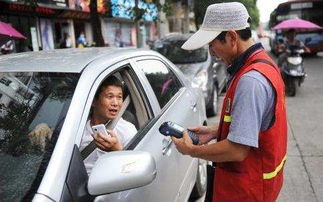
{"points": [[58, 3], [84, 5], [124, 8], [301, 5], [74, 14], [24, 8]]}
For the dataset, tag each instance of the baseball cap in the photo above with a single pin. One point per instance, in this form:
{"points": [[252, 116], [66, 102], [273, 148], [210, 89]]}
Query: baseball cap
{"points": [[218, 17]]}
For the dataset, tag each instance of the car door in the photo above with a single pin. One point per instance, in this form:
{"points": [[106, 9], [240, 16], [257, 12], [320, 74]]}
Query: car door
{"points": [[175, 172], [142, 141]]}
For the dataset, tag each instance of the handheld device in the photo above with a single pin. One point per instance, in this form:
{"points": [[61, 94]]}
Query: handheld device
{"points": [[101, 129], [169, 128]]}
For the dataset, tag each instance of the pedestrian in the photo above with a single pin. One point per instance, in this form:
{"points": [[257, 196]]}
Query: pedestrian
{"points": [[7, 47], [250, 151], [81, 41], [66, 42]]}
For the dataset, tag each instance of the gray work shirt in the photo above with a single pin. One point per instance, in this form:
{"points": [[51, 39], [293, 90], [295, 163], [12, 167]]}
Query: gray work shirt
{"points": [[252, 109]]}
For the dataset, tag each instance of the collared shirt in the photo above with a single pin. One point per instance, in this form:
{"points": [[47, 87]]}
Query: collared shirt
{"points": [[124, 130], [240, 61], [253, 103]]}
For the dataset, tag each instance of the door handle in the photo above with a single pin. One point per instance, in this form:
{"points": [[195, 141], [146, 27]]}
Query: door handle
{"points": [[193, 107], [166, 145]]}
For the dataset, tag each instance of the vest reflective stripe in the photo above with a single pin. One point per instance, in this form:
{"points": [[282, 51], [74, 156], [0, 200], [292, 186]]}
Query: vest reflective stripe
{"points": [[273, 174], [227, 118]]}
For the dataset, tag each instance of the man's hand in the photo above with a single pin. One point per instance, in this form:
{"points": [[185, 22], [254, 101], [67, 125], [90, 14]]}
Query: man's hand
{"points": [[184, 145], [107, 143], [205, 133]]}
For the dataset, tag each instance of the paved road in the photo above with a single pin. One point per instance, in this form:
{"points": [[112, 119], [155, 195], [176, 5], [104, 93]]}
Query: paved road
{"points": [[304, 165]]}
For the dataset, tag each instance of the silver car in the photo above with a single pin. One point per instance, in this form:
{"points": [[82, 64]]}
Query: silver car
{"points": [[45, 102]]}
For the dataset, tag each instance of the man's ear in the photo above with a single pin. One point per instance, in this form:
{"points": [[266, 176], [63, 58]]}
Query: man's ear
{"points": [[232, 37]]}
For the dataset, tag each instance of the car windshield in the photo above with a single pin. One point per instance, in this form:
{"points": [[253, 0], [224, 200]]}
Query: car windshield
{"points": [[173, 51], [33, 107]]}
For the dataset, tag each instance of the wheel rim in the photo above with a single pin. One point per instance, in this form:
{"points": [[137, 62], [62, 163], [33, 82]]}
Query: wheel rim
{"points": [[202, 173]]}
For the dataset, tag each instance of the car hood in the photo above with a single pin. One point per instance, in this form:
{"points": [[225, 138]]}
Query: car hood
{"points": [[190, 70]]}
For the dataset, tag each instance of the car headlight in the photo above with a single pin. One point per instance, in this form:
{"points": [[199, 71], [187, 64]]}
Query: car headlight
{"points": [[200, 80], [294, 60]]}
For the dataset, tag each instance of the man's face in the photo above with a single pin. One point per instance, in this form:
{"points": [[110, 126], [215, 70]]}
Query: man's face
{"points": [[222, 50], [108, 105]]}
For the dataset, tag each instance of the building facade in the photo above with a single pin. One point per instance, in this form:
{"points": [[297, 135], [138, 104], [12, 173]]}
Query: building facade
{"points": [[66, 23]]}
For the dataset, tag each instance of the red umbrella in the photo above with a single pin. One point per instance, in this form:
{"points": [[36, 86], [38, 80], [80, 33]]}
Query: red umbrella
{"points": [[7, 30], [296, 24]]}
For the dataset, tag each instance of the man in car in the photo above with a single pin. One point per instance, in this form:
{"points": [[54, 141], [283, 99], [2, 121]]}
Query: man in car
{"points": [[250, 151], [106, 105]]}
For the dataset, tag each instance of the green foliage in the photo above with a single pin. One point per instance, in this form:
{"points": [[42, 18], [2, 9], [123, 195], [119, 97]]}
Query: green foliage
{"points": [[201, 5]]}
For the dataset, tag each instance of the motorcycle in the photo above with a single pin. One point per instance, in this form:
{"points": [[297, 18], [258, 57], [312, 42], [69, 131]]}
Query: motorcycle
{"points": [[292, 69]]}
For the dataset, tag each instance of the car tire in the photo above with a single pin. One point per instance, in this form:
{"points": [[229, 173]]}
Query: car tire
{"points": [[201, 180], [213, 106]]}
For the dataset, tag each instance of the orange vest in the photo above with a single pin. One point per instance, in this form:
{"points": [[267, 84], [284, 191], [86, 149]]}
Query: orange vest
{"points": [[259, 177]]}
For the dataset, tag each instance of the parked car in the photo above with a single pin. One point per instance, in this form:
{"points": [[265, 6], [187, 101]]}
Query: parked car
{"points": [[204, 71], [63, 84]]}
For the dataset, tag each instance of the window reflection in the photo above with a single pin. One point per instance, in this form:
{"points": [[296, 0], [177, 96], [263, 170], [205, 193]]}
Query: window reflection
{"points": [[33, 107], [164, 82]]}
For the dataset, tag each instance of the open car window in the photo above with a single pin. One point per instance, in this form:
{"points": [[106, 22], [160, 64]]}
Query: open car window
{"points": [[134, 118]]}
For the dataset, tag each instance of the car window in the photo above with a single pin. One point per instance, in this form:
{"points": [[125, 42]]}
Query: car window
{"points": [[33, 108], [105, 107], [172, 50], [163, 81]]}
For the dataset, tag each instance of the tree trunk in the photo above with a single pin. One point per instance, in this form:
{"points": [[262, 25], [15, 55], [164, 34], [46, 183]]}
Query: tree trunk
{"points": [[138, 45], [96, 24]]}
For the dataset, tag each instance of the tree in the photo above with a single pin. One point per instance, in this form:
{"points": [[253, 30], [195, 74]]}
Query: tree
{"points": [[201, 5], [96, 24]]}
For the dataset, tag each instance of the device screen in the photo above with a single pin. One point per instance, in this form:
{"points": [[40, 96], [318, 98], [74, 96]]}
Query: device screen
{"points": [[179, 128]]}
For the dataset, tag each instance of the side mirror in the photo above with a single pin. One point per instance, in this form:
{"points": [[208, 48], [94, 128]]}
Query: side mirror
{"points": [[121, 170]]}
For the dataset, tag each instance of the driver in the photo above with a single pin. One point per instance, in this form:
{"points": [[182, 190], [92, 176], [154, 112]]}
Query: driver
{"points": [[106, 105]]}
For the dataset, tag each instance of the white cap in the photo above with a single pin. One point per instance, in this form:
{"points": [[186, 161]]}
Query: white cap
{"points": [[218, 17]]}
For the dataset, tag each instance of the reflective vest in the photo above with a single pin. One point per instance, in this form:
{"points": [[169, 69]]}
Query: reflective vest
{"points": [[259, 177]]}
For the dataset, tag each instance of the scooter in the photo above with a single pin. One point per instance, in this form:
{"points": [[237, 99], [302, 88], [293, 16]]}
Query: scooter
{"points": [[292, 69]]}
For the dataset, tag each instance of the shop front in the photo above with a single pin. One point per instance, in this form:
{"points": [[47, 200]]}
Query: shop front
{"points": [[120, 30]]}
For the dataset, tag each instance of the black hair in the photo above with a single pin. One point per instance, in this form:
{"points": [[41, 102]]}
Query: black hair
{"points": [[244, 34], [110, 81]]}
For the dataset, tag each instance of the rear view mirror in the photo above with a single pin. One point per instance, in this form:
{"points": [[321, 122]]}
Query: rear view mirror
{"points": [[121, 170]]}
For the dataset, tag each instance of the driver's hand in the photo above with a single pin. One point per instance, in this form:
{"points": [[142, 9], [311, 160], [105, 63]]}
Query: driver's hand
{"points": [[107, 143]]}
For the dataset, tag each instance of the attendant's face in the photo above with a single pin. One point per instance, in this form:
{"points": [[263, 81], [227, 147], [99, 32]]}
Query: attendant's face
{"points": [[109, 103], [224, 50]]}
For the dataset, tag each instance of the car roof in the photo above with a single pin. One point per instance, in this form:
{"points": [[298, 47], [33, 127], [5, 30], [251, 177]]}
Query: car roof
{"points": [[176, 37], [63, 60]]}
